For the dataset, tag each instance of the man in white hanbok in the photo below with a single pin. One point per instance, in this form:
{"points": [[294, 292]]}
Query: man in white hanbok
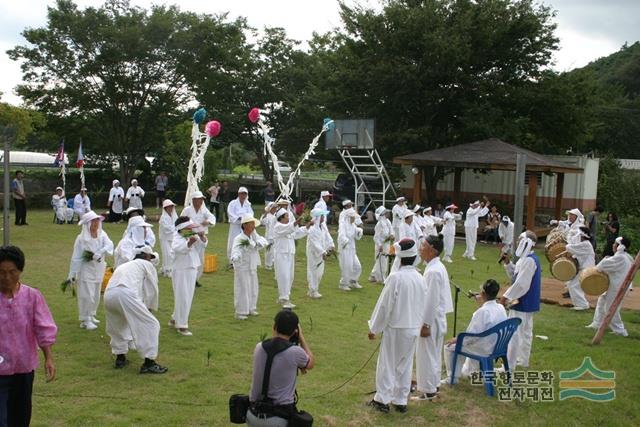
{"points": [[200, 215], [505, 232], [616, 267], [285, 232], [350, 267], [347, 207], [319, 247], [437, 305], [131, 294], [523, 298], [571, 226], [383, 239], [188, 238], [81, 203], [486, 317], [237, 208], [137, 234], [59, 204], [167, 225], [115, 202], [246, 259], [475, 211], [398, 211], [410, 229], [268, 220], [430, 222], [449, 230], [323, 205], [87, 267], [398, 316], [586, 257], [134, 195]]}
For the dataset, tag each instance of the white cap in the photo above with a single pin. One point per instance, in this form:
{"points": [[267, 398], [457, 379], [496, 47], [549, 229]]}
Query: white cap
{"points": [[115, 181], [243, 190], [380, 211], [575, 211], [83, 189], [428, 208], [401, 199], [59, 188], [506, 219], [408, 214], [416, 208], [281, 212], [249, 218], [90, 216], [138, 221], [132, 209], [167, 202], [134, 180], [268, 206], [146, 249], [346, 202], [325, 193], [197, 195]]}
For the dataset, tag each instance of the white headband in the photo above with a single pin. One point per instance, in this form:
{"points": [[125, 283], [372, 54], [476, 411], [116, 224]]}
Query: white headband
{"points": [[184, 225], [525, 246], [407, 253], [621, 247]]}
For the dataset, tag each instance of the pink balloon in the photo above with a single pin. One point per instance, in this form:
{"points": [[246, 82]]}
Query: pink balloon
{"points": [[213, 128], [254, 115]]}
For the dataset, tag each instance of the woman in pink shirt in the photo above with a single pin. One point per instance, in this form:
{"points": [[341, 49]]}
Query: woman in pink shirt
{"points": [[25, 325]]}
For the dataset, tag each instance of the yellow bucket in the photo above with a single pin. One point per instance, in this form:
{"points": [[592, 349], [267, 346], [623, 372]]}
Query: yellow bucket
{"points": [[105, 279], [210, 263]]}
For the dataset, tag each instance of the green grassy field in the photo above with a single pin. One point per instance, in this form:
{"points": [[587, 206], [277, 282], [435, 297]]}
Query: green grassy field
{"points": [[205, 369]]}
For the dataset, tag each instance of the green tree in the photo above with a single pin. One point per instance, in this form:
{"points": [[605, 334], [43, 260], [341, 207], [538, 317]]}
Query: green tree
{"points": [[25, 121], [118, 70]]}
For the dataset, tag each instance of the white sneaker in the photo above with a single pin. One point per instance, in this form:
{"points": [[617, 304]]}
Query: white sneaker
{"points": [[241, 317], [344, 287], [89, 325], [579, 308], [288, 304], [94, 320], [592, 326], [622, 334], [473, 258], [315, 295], [253, 313], [447, 259], [355, 285], [185, 332]]}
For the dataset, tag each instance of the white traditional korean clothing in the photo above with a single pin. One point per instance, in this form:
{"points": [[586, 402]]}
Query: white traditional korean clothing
{"points": [[586, 257], [246, 259], [269, 221], [116, 197], [505, 232], [63, 213], [449, 232], [319, 241], [235, 212], [199, 217], [166, 233], [184, 274], [383, 233], [284, 248], [397, 217], [134, 237], [81, 204], [134, 196], [350, 267], [471, 229]]}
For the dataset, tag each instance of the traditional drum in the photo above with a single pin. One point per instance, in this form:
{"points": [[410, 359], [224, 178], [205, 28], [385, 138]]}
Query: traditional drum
{"points": [[593, 282], [564, 268], [555, 246]]}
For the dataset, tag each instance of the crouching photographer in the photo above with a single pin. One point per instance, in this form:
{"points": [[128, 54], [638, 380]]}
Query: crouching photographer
{"points": [[276, 361]]}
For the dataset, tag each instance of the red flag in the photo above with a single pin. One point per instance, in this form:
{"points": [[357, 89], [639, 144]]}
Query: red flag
{"points": [[80, 161]]}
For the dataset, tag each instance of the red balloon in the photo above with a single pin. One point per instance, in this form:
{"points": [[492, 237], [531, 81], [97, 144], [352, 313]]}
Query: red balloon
{"points": [[254, 115], [213, 128]]}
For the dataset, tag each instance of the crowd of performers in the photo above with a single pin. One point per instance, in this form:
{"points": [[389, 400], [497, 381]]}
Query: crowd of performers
{"points": [[411, 312]]}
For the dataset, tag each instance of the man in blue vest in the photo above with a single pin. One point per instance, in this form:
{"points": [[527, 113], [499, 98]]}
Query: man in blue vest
{"points": [[524, 295]]}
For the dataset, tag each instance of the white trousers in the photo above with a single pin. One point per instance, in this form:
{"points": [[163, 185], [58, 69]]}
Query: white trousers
{"points": [[380, 267], [470, 235], [466, 366], [268, 257], [314, 272], [184, 285], [234, 230], [350, 268], [167, 256], [576, 293], [64, 214], [245, 291], [448, 241], [602, 308], [88, 288], [130, 324], [284, 267], [395, 360], [520, 345], [429, 360], [200, 249]]}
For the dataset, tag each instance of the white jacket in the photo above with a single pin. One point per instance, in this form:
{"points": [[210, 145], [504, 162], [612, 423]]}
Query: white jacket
{"points": [[140, 276], [246, 256], [185, 256]]}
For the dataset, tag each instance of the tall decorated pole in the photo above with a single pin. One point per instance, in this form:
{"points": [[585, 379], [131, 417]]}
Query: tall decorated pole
{"points": [[199, 145], [59, 162], [80, 164], [286, 187]]}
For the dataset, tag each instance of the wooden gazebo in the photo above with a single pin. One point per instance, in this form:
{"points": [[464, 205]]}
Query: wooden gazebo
{"points": [[490, 154]]}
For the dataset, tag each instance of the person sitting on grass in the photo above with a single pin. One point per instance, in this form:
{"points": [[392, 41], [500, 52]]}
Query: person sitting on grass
{"points": [[287, 360], [131, 294], [489, 314]]}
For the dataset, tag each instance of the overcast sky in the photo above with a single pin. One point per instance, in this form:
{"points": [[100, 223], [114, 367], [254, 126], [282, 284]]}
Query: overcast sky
{"points": [[588, 29]]}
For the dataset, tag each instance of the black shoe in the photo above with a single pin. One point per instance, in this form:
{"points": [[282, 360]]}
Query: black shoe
{"points": [[153, 369], [198, 285], [379, 406], [566, 295], [401, 408], [121, 363]]}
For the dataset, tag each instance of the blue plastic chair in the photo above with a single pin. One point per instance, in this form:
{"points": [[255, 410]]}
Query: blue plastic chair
{"points": [[504, 331]]}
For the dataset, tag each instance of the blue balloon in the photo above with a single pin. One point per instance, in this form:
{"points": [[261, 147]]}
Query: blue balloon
{"points": [[199, 115], [332, 124]]}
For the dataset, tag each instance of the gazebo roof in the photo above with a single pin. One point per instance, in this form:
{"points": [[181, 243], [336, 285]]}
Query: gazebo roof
{"points": [[490, 153]]}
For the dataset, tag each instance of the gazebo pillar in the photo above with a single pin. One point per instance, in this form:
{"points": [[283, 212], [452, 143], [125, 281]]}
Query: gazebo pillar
{"points": [[559, 195], [531, 201], [417, 186], [457, 182]]}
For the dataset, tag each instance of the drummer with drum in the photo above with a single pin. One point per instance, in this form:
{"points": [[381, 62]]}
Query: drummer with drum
{"points": [[616, 268], [571, 226], [585, 257]]}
